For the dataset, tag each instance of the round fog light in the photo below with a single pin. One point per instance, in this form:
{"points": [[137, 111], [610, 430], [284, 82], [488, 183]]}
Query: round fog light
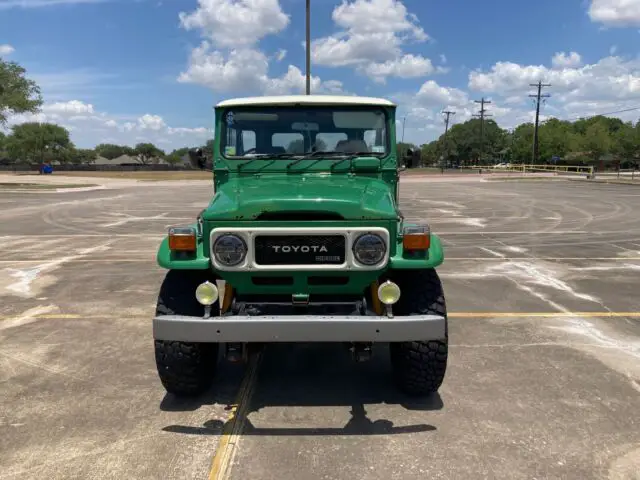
{"points": [[207, 293], [389, 293]]}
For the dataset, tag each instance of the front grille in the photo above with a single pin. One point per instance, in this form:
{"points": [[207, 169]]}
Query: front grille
{"points": [[272, 281], [300, 249]]}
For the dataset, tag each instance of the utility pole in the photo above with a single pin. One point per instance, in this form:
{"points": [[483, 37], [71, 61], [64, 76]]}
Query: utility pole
{"points": [[446, 122], [482, 116], [537, 96], [308, 47], [404, 119], [448, 113]]}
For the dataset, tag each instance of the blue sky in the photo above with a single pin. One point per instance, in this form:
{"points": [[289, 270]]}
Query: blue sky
{"points": [[150, 70]]}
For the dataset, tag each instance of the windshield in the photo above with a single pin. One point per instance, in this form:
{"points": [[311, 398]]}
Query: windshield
{"points": [[270, 131]]}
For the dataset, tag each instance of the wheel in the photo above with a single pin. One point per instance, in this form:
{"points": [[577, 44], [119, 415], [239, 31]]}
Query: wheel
{"points": [[185, 368], [419, 366]]}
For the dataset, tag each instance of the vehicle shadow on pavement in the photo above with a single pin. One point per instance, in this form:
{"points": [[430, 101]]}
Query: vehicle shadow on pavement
{"points": [[315, 375]]}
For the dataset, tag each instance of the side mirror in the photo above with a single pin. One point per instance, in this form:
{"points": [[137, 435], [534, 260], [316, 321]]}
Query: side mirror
{"points": [[196, 157]]}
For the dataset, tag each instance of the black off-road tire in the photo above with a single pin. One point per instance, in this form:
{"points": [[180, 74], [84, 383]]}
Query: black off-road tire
{"points": [[185, 368], [419, 366]]}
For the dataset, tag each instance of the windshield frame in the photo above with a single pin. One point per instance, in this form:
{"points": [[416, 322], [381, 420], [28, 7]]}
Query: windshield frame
{"points": [[270, 108]]}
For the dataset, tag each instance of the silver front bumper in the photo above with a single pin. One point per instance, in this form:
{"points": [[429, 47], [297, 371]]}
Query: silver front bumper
{"points": [[298, 328]]}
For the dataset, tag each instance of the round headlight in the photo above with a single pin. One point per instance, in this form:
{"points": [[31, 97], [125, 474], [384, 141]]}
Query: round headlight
{"points": [[369, 249], [230, 250], [207, 293], [389, 293]]}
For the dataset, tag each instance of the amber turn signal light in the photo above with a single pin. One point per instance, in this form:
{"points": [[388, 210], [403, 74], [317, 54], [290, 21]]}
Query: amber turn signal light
{"points": [[416, 238], [182, 239]]}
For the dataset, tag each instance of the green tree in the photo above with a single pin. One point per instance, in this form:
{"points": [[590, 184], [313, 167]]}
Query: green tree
{"points": [[207, 149], [111, 151], [626, 142], [401, 149], [176, 157], [38, 142], [596, 141], [522, 143], [148, 152], [470, 142], [556, 138], [18, 94], [82, 156]]}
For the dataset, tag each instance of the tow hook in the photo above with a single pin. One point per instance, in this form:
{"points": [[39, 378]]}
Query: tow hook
{"points": [[361, 352], [235, 352]]}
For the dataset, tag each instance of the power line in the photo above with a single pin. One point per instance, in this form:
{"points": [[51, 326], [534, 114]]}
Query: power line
{"points": [[482, 116], [537, 96], [631, 109]]}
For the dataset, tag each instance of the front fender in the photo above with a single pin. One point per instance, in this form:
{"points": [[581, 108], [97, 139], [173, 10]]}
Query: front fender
{"points": [[175, 261], [430, 259]]}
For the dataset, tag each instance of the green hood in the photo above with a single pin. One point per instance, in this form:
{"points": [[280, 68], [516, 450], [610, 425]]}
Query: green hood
{"points": [[352, 197]]}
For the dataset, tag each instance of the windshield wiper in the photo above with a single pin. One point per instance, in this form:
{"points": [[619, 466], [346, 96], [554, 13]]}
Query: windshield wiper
{"points": [[317, 153], [261, 156], [272, 155]]}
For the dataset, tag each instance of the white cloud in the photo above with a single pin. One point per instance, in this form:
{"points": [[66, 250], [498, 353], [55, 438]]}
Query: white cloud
{"points": [[373, 32], [75, 107], [228, 60], [151, 122], [373, 16], [563, 60], [443, 58], [236, 23], [612, 78], [432, 94], [613, 50], [241, 70], [610, 85], [6, 49], [615, 13], [89, 127], [245, 71], [408, 66]]}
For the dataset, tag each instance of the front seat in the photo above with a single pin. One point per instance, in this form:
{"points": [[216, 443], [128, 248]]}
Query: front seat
{"points": [[351, 146]]}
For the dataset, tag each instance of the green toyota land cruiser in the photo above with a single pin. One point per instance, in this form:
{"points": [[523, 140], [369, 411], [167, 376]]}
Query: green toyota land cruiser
{"points": [[302, 241]]}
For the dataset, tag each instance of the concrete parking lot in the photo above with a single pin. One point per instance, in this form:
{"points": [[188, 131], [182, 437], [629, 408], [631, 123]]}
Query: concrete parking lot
{"points": [[542, 282]]}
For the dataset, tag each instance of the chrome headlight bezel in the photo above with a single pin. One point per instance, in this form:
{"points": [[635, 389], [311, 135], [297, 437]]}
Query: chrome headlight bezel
{"points": [[240, 245], [372, 238]]}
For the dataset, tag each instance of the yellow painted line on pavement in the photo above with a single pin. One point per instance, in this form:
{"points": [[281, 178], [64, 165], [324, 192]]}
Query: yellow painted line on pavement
{"points": [[232, 431]]}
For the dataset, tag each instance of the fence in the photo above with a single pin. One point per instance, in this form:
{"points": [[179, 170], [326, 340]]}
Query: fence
{"points": [[524, 169], [632, 174], [132, 167]]}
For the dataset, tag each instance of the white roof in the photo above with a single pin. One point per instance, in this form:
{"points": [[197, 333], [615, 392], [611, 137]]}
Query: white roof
{"points": [[306, 100]]}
